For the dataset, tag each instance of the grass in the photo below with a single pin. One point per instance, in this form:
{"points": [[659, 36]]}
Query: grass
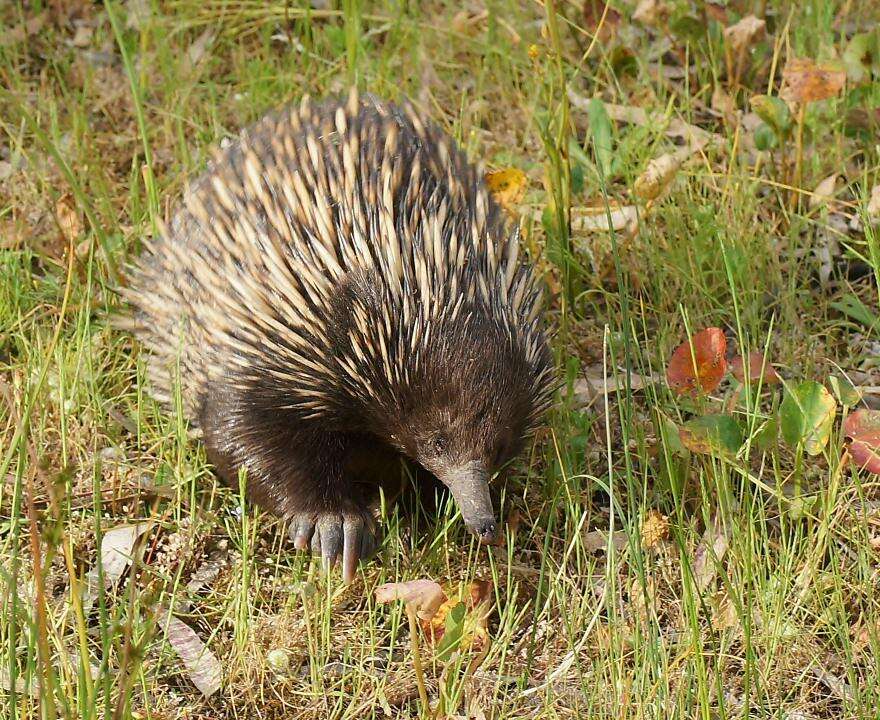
{"points": [[732, 587]]}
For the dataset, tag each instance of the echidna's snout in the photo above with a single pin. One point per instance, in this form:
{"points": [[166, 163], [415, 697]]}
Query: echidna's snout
{"points": [[469, 486]]}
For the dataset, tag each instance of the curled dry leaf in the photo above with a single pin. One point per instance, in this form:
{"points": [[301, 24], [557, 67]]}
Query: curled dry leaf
{"points": [[596, 540], [507, 186], [600, 17], [595, 219], [117, 546], [824, 192], [702, 368], [657, 176], [863, 429], [650, 12], [68, 219], [595, 384], [202, 666], [742, 35], [711, 550], [807, 81], [422, 596], [758, 367], [873, 208]]}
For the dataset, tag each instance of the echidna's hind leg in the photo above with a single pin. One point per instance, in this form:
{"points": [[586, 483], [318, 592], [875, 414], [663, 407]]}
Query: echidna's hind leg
{"points": [[297, 470]]}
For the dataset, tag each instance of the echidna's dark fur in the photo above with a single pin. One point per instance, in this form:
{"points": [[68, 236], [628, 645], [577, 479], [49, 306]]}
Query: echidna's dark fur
{"points": [[338, 290]]}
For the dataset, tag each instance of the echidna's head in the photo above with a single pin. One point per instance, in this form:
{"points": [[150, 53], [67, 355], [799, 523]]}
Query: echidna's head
{"points": [[467, 409]]}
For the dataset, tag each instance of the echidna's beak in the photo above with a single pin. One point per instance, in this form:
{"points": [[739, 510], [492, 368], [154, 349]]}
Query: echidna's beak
{"points": [[469, 486]]}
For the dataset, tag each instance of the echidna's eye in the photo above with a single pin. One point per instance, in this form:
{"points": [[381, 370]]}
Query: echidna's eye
{"points": [[439, 444]]}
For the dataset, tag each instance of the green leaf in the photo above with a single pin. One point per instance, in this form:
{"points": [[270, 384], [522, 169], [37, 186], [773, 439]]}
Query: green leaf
{"points": [[844, 391], [806, 416], [767, 438], [600, 127], [854, 308], [862, 56], [765, 138], [773, 111], [717, 435], [452, 633]]}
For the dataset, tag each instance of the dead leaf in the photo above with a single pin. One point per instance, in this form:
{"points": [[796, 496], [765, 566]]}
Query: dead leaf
{"points": [[824, 192], [595, 219], [650, 12], [23, 31], [657, 176], [507, 186], [422, 596], [655, 528], [808, 82], [694, 136], [723, 103], [68, 219], [596, 540], [758, 367], [600, 17], [117, 546], [594, 384], [873, 208], [710, 551], [742, 35], [202, 666], [698, 365], [83, 36]]}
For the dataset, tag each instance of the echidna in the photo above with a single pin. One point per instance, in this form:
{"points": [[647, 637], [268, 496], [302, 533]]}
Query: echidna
{"points": [[337, 291]]}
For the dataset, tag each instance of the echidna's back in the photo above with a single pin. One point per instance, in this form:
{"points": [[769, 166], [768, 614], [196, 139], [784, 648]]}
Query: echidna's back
{"points": [[241, 282]]}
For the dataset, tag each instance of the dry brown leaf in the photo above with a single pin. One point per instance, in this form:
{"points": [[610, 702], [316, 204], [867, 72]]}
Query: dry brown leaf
{"points": [[507, 186], [600, 17], [711, 550], [723, 103], [595, 384], [117, 546], [21, 32], [694, 136], [873, 208], [596, 540], [68, 219], [657, 176], [740, 36], [824, 192], [807, 81], [202, 666], [595, 219], [655, 529], [422, 596], [650, 12]]}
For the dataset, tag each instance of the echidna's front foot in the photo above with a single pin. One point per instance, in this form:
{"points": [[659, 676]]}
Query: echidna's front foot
{"points": [[333, 534]]}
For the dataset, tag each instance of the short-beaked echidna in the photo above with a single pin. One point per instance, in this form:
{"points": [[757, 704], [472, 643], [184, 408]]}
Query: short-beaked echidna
{"points": [[338, 290]]}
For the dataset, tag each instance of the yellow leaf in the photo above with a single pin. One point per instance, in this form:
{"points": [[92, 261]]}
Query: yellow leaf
{"points": [[657, 176], [807, 82], [507, 186]]}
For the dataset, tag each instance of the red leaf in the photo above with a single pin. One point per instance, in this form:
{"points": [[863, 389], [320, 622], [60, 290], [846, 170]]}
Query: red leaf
{"points": [[863, 428], [757, 366], [702, 369]]}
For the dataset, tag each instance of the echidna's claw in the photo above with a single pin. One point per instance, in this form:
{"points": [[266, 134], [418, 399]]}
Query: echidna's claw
{"points": [[331, 535], [301, 530]]}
